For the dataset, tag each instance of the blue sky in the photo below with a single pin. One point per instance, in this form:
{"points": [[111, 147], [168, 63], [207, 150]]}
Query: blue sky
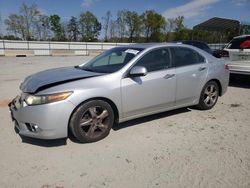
{"points": [[194, 11]]}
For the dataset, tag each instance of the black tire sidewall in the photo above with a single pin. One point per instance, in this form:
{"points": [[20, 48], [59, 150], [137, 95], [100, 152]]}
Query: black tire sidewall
{"points": [[77, 115]]}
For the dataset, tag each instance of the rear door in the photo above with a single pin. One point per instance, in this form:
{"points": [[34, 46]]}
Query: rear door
{"points": [[191, 73]]}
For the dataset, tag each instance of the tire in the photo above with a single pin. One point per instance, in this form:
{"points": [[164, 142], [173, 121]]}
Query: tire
{"points": [[92, 121], [209, 96]]}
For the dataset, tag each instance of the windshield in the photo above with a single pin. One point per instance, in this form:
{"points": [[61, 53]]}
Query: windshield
{"points": [[111, 60]]}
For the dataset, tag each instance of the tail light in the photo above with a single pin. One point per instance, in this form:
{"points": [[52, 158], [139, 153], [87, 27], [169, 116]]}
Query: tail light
{"points": [[226, 66]]}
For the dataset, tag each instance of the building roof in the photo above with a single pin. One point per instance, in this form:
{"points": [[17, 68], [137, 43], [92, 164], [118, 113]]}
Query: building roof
{"points": [[218, 24]]}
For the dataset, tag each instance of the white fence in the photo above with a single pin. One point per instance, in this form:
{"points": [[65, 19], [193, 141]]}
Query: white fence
{"points": [[217, 46], [49, 47], [13, 48]]}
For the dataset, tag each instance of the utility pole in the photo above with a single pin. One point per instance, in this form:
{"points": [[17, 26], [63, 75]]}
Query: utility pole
{"points": [[1, 26]]}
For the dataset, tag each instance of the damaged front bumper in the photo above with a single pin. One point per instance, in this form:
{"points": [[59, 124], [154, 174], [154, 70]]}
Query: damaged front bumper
{"points": [[47, 121]]}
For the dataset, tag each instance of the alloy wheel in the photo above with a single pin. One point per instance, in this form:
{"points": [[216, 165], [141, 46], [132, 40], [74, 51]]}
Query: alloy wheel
{"points": [[210, 95], [94, 121]]}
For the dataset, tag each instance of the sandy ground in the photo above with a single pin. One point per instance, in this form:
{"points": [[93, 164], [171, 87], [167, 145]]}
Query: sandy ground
{"points": [[181, 148]]}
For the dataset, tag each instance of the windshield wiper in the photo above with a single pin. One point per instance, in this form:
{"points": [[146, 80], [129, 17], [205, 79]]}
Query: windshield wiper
{"points": [[77, 67], [84, 68]]}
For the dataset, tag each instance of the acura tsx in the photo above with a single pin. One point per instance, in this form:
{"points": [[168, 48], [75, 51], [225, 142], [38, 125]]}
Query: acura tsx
{"points": [[121, 84]]}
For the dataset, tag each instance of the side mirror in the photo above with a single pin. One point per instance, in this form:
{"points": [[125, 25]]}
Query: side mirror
{"points": [[138, 71]]}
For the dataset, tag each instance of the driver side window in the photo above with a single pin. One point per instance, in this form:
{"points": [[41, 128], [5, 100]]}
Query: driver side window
{"points": [[155, 60]]}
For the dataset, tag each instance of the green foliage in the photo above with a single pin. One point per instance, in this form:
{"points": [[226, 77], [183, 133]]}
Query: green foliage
{"points": [[245, 29], [73, 28], [42, 27], [121, 25], [128, 26], [179, 23], [107, 23], [89, 26], [183, 34], [10, 37], [15, 24], [134, 24], [154, 25], [57, 28], [27, 23]]}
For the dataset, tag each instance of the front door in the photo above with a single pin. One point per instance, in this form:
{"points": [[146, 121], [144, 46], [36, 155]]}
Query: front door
{"points": [[153, 92]]}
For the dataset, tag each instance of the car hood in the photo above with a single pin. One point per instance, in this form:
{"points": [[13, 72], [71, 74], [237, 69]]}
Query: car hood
{"points": [[49, 78]]}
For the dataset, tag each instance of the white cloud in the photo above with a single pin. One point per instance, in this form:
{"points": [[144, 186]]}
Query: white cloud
{"points": [[241, 2], [43, 11], [189, 10], [87, 3]]}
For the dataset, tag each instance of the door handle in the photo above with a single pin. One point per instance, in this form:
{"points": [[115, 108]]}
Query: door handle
{"points": [[202, 68], [168, 76]]}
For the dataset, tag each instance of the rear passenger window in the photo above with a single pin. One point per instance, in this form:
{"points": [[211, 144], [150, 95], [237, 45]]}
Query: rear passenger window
{"points": [[184, 56], [155, 60], [239, 43]]}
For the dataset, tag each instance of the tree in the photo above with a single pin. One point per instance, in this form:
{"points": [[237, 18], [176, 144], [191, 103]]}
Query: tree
{"points": [[0, 25], [176, 30], [10, 37], [42, 26], [73, 28], [90, 27], [179, 23], [113, 30], [170, 26], [134, 24], [15, 24], [107, 23], [183, 34], [154, 23], [57, 28], [29, 16], [24, 24], [121, 24]]}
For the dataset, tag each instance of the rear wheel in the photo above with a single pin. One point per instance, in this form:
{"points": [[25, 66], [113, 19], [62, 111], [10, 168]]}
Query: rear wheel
{"points": [[92, 121], [209, 96]]}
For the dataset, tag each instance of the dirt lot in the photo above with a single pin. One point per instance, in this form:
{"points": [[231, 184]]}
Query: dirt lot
{"points": [[181, 148]]}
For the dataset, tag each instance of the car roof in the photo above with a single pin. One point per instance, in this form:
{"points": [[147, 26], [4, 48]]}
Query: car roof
{"points": [[150, 45], [241, 36], [191, 41]]}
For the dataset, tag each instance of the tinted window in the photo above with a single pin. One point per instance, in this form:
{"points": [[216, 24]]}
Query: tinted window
{"points": [[239, 43], [185, 56], [198, 44], [203, 46], [155, 60]]}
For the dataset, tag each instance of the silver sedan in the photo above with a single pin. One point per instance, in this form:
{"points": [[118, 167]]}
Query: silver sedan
{"points": [[121, 84]]}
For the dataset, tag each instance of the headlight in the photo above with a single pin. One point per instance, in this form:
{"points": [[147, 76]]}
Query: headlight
{"points": [[44, 99]]}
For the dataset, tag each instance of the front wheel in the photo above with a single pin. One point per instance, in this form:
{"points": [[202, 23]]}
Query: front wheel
{"points": [[209, 96], [92, 121]]}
